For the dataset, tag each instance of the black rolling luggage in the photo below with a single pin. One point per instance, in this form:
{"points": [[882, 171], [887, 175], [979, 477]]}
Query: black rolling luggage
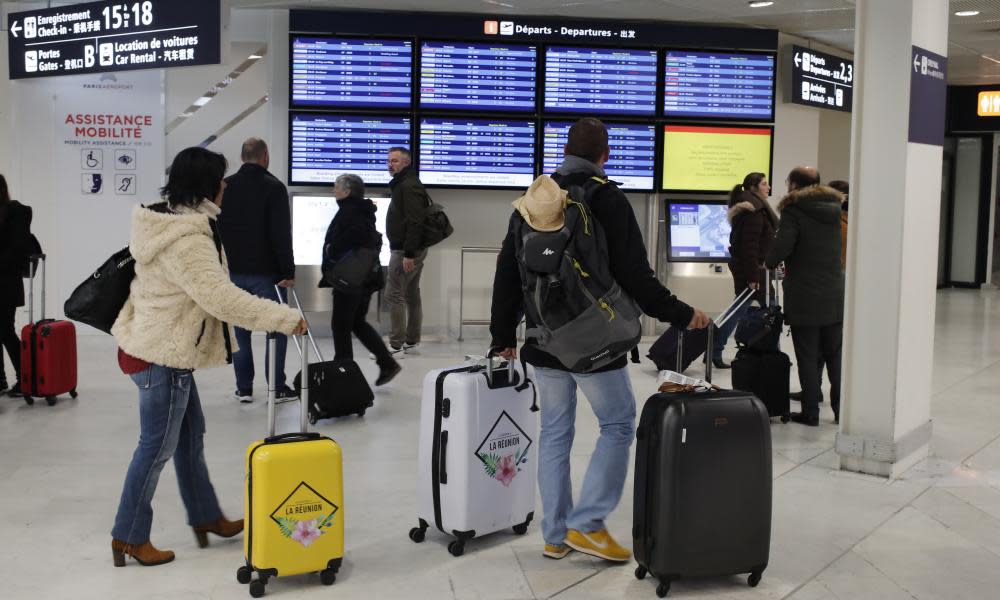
{"points": [[760, 367], [337, 388], [702, 503], [666, 352]]}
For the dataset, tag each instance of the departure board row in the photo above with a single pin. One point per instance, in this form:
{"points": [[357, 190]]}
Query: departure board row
{"points": [[366, 73]]}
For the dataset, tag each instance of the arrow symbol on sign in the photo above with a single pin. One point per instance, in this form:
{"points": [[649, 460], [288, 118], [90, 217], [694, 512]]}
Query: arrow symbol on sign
{"points": [[916, 62], [15, 28], [798, 59]]}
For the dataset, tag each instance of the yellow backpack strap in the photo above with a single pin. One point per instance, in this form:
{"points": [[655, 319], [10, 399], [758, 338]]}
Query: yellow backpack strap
{"points": [[599, 180]]}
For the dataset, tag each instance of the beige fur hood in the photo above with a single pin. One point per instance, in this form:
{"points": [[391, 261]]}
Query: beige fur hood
{"points": [[738, 209], [181, 295]]}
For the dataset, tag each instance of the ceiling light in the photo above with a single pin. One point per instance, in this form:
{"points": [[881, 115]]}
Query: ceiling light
{"points": [[760, 4], [966, 13]]}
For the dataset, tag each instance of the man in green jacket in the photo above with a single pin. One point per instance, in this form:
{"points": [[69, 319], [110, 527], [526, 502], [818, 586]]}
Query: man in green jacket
{"points": [[808, 241], [404, 227]]}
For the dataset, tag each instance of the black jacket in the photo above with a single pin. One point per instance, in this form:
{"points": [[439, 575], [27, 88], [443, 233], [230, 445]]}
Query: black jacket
{"points": [[750, 240], [15, 245], [808, 241], [256, 224], [352, 227], [404, 220], [629, 265]]}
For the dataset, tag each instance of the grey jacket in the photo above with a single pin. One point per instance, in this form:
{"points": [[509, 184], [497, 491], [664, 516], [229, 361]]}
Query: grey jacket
{"points": [[808, 241]]}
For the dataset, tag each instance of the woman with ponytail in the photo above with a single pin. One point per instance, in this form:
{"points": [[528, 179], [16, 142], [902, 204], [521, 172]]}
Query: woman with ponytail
{"points": [[754, 223]]}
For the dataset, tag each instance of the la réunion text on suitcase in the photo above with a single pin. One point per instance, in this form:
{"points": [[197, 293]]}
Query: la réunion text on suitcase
{"points": [[478, 455], [48, 349], [702, 503], [294, 502]]}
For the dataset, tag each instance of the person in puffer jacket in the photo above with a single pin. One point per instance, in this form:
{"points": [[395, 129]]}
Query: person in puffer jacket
{"points": [[177, 320]]}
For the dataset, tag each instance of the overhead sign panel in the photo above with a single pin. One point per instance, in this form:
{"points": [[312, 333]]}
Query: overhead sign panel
{"points": [[989, 104], [821, 80], [99, 37]]}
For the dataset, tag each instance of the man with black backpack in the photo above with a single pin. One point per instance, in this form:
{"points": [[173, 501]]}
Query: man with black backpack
{"points": [[574, 263]]}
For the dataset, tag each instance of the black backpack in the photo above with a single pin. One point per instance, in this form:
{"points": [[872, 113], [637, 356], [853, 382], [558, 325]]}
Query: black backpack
{"points": [[581, 315]]}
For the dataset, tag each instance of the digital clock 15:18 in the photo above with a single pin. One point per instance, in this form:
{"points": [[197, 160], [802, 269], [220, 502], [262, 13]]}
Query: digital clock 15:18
{"points": [[121, 15]]}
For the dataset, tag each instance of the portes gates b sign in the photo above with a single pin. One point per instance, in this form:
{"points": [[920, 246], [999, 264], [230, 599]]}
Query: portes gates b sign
{"points": [[99, 37]]}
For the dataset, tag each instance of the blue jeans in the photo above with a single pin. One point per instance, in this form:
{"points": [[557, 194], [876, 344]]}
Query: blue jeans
{"points": [[722, 335], [611, 398], [263, 287], [171, 424]]}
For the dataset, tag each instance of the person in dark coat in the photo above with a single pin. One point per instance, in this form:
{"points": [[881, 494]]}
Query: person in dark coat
{"points": [[753, 225], [256, 228], [15, 244], [404, 224], [581, 525], [354, 227], [808, 241]]}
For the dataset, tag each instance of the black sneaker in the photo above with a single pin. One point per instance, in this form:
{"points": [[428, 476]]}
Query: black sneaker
{"points": [[244, 396], [388, 373], [286, 394], [718, 363], [804, 419]]}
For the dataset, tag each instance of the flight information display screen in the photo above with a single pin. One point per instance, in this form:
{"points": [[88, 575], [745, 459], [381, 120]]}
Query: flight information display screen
{"points": [[719, 85], [699, 232], [477, 153], [600, 80], [351, 72], [633, 151], [326, 146], [467, 76]]}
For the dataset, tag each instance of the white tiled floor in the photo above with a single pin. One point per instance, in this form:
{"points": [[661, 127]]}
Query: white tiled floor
{"points": [[934, 534]]}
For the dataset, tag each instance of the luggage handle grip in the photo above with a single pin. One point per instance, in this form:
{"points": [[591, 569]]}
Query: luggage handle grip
{"points": [[292, 437], [443, 466], [490, 370]]}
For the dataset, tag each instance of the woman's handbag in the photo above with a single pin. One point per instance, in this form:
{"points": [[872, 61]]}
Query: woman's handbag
{"points": [[354, 271], [98, 300]]}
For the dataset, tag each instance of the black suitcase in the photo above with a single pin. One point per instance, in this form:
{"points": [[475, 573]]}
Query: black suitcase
{"points": [[337, 388], [765, 375], [664, 351], [702, 504]]}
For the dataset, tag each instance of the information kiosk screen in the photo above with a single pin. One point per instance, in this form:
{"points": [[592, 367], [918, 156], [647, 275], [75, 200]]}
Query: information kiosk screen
{"points": [[699, 232]]}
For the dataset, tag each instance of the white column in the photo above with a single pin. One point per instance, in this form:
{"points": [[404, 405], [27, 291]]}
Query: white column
{"points": [[892, 244]]}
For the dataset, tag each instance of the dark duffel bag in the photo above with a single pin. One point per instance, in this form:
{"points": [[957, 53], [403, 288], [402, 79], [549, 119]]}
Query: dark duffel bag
{"points": [[98, 300], [702, 501], [760, 329], [354, 272], [765, 375]]}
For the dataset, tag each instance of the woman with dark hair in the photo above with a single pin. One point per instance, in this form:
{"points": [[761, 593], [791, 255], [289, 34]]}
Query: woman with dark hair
{"points": [[753, 225], [15, 225], [175, 321]]}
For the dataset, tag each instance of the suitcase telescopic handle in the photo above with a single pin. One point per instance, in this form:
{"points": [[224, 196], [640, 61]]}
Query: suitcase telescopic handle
{"points": [[490, 370], [272, 387], [33, 262], [298, 306]]}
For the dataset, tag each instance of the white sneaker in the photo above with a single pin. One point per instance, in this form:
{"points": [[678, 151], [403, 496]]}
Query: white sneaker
{"points": [[410, 348], [396, 353]]}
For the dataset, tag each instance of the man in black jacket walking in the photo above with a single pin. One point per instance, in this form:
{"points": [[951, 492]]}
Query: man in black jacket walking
{"points": [[566, 526], [256, 228], [404, 227], [808, 241]]}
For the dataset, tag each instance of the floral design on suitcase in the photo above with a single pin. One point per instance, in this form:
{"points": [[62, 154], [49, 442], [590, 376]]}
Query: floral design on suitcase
{"points": [[504, 450], [304, 515]]}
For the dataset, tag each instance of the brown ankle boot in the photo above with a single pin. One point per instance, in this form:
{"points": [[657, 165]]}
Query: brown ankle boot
{"points": [[220, 527], [145, 554]]}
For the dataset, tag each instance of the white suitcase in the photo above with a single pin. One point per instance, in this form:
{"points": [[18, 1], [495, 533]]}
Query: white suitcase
{"points": [[478, 457]]}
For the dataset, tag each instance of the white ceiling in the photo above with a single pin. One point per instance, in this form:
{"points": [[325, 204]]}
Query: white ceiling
{"points": [[974, 52]]}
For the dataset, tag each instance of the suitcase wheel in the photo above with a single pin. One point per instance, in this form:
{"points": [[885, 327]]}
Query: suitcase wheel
{"points": [[28, 400], [640, 573], [51, 400], [417, 534], [244, 575], [257, 589], [521, 529], [327, 576], [456, 548], [662, 590], [754, 579], [73, 394]]}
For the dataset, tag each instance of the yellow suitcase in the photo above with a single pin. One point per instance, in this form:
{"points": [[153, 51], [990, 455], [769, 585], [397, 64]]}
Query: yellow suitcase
{"points": [[294, 503]]}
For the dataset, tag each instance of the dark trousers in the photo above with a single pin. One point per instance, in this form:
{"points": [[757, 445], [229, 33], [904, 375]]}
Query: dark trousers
{"points": [[814, 347], [263, 287], [349, 316], [11, 343]]}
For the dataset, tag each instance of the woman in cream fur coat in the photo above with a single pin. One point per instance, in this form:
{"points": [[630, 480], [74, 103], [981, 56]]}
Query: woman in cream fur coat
{"points": [[177, 320]]}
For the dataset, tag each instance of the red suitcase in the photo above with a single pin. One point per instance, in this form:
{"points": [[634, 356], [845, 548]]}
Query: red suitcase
{"points": [[48, 351]]}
